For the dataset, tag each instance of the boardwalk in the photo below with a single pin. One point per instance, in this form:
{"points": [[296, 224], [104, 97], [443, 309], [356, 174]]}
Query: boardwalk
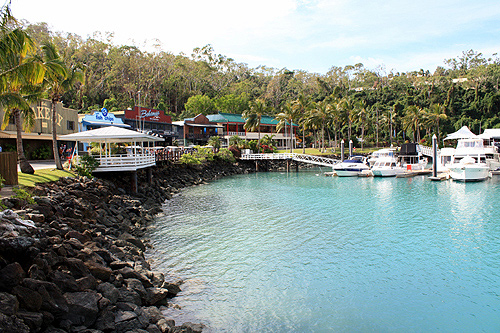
{"points": [[311, 159]]}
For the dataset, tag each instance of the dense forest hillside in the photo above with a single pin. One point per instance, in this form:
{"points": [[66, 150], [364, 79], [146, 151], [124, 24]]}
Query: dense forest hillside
{"points": [[349, 102]]}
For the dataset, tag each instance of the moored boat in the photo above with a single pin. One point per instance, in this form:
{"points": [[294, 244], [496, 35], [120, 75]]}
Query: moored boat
{"points": [[387, 167], [351, 167], [469, 161]]}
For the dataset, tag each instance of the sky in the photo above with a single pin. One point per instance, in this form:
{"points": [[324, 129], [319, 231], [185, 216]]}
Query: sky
{"points": [[310, 35]]}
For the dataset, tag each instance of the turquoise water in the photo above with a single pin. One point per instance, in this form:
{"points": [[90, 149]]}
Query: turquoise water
{"points": [[300, 252]]}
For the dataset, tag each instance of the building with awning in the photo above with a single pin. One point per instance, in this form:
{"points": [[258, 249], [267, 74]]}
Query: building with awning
{"points": [[39, 139], [150, 121], [233, 124], [197, 130]]}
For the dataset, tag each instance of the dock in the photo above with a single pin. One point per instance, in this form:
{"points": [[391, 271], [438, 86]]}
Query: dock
{"points": [[413, 173], [440, 176]]}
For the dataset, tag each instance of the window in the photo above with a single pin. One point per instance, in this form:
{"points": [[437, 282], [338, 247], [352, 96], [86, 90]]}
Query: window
{"points": [[71, 125]]}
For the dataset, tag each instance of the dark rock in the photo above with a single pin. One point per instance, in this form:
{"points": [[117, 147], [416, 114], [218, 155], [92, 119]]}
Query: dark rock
{"points": [[34, 320], [35, 272], [11, 275], [106, 320], [86, 282], [173, 288], [53, 299], [99, 271], [64, 280], [16, 245], [25, 167], [78, 235], [153, 313], [136, 285], [83, 307], [131, 239], [130, 273], [28, 299], [166, 325], [12, 324], [156, 296], [153, 329], [109, 291], [76, 266], [129, 296], [8, 304]]}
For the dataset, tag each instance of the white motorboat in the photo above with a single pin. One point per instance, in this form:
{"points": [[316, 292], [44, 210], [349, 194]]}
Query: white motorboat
{"points": [[381, 153], [387, 167], [469, 161], [351, 167]]}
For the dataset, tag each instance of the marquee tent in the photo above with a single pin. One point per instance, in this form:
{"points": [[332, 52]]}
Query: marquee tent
{"points": [[463, 133]]}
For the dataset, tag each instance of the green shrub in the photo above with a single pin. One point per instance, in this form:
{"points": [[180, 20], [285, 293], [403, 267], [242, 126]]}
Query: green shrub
{"points": [[42, 153], [225, 155], [23, 195], [189, 159], [86, 164]]}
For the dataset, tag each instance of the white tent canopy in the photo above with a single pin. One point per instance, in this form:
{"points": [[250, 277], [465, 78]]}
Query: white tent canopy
{"points": [[492, 133], [110, 134], [463, 133]]}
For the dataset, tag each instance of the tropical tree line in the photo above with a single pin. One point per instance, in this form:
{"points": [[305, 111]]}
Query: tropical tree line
{"points": [[372, 106]]}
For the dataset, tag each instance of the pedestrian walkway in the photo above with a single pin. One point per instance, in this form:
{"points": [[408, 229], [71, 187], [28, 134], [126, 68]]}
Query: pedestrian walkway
{"points": [[41, 164]]}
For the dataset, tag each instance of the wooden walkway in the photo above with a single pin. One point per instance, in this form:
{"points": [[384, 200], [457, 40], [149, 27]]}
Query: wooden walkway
{"points": [[311, 159]]}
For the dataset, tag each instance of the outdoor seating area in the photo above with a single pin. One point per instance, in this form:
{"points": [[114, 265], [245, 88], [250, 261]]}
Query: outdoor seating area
{"points": [[138, 157]]}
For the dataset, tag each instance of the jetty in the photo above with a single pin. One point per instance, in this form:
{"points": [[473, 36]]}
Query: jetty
{"points": [[304, 158]]}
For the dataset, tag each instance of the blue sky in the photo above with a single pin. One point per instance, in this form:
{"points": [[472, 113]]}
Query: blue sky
{"points": [[310, 35]]}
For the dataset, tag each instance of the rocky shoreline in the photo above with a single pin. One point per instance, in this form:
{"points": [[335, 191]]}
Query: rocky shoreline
{"points": [[73, 260]]}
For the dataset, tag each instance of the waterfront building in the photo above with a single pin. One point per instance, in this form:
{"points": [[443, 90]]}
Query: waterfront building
{"points": [[96, 120], [197, 130], [150, 121], [38, 142], [233, 124]]}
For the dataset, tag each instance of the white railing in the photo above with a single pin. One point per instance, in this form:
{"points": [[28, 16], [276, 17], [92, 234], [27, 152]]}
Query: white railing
{"points": [[427, 151], [282, 156], [311, 159], [125, 162]]}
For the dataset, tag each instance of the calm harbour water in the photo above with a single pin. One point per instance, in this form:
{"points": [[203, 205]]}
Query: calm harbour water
{"points": [[300, 252]]}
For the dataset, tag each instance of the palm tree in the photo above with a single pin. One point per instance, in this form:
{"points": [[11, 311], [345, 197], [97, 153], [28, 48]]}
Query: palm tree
{"points": [[320, 115], [214, 141], [57, 80], [301, 106], [287, 115], [360, 116], [254, 115], [413, 120], [347, 106], [435, 113], [21, 75]]}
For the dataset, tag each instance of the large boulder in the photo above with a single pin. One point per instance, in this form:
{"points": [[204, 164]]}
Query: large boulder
{"points": [[8, 304], [83, 307], [11, 275], [26, 167]]}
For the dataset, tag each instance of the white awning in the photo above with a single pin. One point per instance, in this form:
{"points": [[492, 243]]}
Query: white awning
{"points": [[491, 133], [463, 133], [110, 134]]}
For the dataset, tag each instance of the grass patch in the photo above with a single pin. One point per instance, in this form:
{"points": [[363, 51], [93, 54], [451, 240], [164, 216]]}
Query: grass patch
{"points": [[42, 176]]}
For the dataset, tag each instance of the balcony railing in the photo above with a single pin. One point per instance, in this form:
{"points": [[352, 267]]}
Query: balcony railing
{"points": [[125, 162]]}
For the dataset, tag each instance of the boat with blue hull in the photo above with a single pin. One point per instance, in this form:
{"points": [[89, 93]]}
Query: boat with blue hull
{"points": [[351, 167]]}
